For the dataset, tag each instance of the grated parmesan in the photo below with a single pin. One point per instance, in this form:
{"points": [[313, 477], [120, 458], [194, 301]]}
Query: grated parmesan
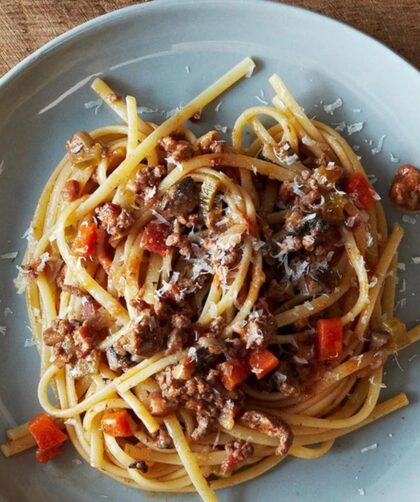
{"points": [[369, 448], [7, 311], [3, 330], [96, 104], [353, 128], [29, 342], [361, 492], [409, 219], [218, 106], [159, 217], [378, 149], [147, 109], [221, 128], [401, 266], [187, 69], [339, 126], [393, 158], [330, 108], [250, 71], [416, 260], [2, 167], [261, 100], [9, 256]]}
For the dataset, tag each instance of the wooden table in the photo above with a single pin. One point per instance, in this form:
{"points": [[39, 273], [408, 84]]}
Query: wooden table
{"points": [[25, 25]]}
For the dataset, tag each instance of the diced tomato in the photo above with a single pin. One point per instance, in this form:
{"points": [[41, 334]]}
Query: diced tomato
{"points": [[85, 241], [329, 338], [154, 237], [262, 361], [44, 456], [358, 185], [117, 423], [233, 372], [48, 436]]}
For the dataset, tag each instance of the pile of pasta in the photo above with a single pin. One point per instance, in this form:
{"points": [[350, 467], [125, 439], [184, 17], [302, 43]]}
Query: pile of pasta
{"points": [[347, 396]]}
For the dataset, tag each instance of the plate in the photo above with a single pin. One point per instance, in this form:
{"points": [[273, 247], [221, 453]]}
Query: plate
{"points": [[164, 53]]}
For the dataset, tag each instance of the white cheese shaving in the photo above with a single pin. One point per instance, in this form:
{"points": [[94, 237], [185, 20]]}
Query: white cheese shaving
{"points": [[7, 311], [147, 109], [339, 126], [333, 106], [306, 140], [2, 167], [29, 235], [356, 110], [378, 149], [393, 157], [218, 106], [300, 360], [20, 283], [409, 219], [167, 286], [169, 113], [261, 100], [221, 128], [308, 305], [96, 104], [9, 256], [401, 266], [390, 435], [159, 217], [29, 342], [369, 448], [187, 69], [288, 160], [373, 282], [3, 330], [403, 286], [192, 353], [372, 178], [361, 492], [411, 358], [401, 303], [250, 71], [356, 148], [353, 128], [416, 260]]}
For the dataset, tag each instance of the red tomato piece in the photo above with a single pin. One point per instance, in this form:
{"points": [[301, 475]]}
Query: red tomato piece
{"points": [[358, 185], [233, 372], [329, 338], [117, 423], [85, 241], [262, 361], [48, 436], [154, 237]]}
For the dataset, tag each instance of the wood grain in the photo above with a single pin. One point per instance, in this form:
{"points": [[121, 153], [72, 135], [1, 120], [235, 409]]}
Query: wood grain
{"points": [[25, 25]]}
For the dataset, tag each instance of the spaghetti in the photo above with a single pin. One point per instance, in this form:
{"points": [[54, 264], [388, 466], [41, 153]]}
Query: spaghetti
{"points": [[203, 310]]}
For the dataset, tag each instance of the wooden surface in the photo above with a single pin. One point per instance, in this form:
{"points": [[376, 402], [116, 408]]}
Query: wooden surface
{"points": [[25, 25]]}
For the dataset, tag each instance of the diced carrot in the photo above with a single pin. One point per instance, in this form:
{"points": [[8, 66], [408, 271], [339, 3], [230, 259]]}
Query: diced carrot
{"points": [[154, 237], [48, 437], [85, 241], [262, 361], [117, 423], [233, 372], [44, 456], [329, 338], [358, 185]]}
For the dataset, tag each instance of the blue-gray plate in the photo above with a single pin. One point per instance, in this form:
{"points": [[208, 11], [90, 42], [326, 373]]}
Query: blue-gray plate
{"points": [[164, 53]]}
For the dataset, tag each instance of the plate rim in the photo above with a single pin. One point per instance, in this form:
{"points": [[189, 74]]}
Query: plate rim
{"points": [[97, 22]]}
